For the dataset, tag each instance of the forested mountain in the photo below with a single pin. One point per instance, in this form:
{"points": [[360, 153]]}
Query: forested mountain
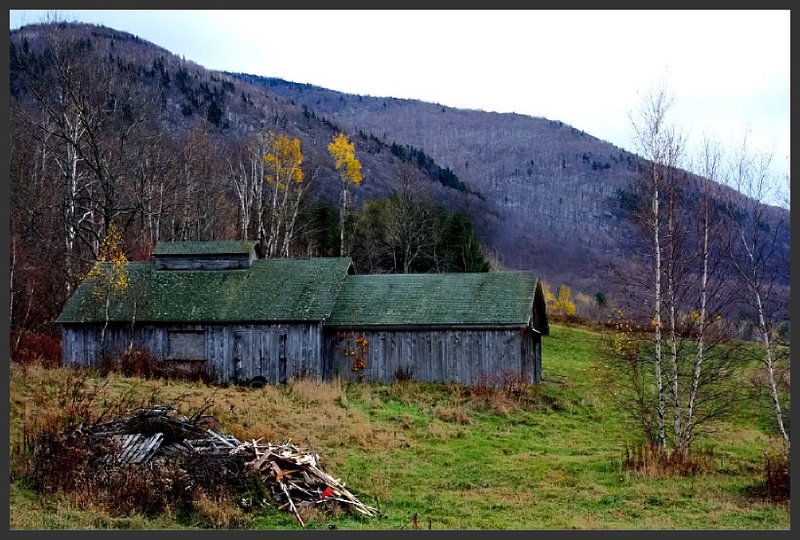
{"points": [[563, 196], [109, 128]]}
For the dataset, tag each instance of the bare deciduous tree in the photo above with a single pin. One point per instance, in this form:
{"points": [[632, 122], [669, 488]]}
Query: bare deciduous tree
{"points": [[753, 248]]}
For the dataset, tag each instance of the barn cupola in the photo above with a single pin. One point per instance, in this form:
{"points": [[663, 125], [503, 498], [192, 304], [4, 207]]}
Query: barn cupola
{"points": [[219, 255]]}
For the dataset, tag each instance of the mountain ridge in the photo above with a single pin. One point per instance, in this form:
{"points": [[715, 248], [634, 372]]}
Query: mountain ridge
{"points": [[544, 195], [560, 190]]}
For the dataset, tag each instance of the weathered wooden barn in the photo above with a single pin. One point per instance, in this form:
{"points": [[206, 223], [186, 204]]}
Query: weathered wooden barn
{"points": [[212, 302], [481, 328], [252, 321]]}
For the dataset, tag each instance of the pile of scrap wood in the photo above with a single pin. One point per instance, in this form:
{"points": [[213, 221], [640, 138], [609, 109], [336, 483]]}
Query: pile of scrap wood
{"points": [[296, 478], [153, 433], [292, 474]]}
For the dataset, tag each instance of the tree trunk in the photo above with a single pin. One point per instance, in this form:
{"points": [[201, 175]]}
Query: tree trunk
{"points": [[657, 365], [700, 354], [768, 362], [342, 215]]}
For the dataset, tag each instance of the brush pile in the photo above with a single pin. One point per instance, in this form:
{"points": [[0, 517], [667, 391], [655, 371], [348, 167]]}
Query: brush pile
{"points": [[155, 434], [296, 479]]}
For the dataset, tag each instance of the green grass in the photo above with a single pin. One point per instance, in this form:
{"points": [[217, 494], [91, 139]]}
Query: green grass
{"points": [[452, 457]]}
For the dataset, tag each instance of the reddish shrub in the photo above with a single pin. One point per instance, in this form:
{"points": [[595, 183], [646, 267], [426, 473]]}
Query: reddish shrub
{"points": [[28, 347], [141, 362], [776, 470]]}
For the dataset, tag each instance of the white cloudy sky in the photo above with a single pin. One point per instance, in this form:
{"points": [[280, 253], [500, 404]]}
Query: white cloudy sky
{"points": [[728, 70]]}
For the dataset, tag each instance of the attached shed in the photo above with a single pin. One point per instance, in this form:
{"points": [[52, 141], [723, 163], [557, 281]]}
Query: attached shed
{"points": [[464, 328], [245, 320]]}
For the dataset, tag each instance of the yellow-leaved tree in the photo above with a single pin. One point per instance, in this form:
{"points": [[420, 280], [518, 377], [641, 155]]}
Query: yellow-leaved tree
{"points": [[349, 169], [561, 304], [285, 178], [109, 275], [564, 303]]}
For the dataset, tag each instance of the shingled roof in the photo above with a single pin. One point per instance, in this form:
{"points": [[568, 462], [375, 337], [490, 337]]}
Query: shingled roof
{"points": [[481, 299], [270, 290]]}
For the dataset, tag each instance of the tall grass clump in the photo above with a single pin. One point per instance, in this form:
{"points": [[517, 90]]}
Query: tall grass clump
{"points": [[653, 461]]}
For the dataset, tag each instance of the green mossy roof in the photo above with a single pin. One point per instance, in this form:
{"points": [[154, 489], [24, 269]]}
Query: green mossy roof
{"points": [[204, 248], [492, 298], [270, 290]]}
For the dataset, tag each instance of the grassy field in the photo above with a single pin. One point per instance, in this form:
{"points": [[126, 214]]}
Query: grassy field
{"points": [[459, 459]]}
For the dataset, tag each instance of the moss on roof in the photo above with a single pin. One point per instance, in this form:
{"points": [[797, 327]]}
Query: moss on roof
{"points": [[270, 290], [493, 298], [204, 248]]}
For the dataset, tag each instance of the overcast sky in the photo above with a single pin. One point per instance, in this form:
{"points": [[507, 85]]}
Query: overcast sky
{"points": [[728, 70]]}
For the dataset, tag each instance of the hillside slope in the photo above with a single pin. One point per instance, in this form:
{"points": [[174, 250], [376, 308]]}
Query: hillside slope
{"points": [[560, 192], [544, 196], [544, 457], [193, 98]]}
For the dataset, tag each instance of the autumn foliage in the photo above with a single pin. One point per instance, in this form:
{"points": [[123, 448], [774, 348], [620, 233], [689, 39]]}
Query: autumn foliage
{"points": [[343, 153], [354, 347], [561, 305], [109, 272]]}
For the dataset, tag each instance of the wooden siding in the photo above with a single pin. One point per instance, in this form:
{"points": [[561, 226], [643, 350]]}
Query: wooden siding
{"points": [[463, 356], [280, 352], [204, 262], [233, 353]]}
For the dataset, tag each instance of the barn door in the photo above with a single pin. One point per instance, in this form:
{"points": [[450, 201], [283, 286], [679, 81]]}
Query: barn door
{"points": [[264, 359], [242, 347], [259, 356]]}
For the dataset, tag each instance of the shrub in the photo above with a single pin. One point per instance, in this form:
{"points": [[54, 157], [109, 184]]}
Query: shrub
{"points": [[141, 362], [499, 391], [403, 373], [28, 347], [777, 473]]}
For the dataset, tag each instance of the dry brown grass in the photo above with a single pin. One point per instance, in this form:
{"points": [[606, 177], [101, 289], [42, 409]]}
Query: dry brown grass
{"points": [[306, 412], [313, 392], [652, 461], [777, 471], [440, 431], [452, 414], [219, 512]]}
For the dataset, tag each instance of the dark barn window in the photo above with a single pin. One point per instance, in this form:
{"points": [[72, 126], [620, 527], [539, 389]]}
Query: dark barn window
{"points": [[187, 345]]}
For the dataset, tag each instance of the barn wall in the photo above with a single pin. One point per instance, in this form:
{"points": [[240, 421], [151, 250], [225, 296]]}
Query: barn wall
{"points": [[203, 262], [81, 344], [233, 353], [464, 356], [237, 353]]}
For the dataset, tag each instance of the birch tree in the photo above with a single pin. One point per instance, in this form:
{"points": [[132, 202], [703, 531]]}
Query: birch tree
{"points": [[247, 173], [343, 153], [710, 365], [284, 177], [753, 248], [108, 277], [679, 289], [660, 145]]}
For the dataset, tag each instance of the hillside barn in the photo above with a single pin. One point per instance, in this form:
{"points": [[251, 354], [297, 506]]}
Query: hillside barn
{"points": [[481, 328], [213, 306]]}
